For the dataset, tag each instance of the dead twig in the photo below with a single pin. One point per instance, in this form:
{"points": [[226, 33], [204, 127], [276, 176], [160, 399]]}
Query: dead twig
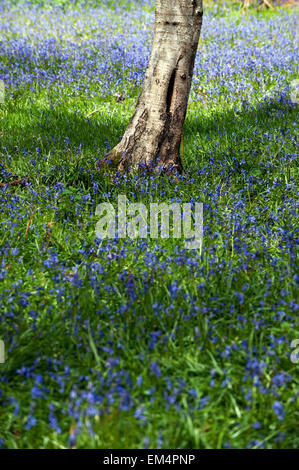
{"points": [[268, 3], [246, 4], [50, 237], [28, 225], [15, 182], [92, 112]]}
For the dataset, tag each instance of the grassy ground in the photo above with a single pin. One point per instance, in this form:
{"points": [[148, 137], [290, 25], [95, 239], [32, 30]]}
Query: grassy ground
{"points": [[142, 343]]}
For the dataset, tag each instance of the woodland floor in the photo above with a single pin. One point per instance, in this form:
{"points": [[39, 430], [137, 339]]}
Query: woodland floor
{"points": [[141, 343]]}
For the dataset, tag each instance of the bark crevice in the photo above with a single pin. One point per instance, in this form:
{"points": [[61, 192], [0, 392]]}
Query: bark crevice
{"points": [[170, 91]]}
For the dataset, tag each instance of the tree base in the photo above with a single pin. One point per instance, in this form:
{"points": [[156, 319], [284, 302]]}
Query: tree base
{"points": [[120, 161]]}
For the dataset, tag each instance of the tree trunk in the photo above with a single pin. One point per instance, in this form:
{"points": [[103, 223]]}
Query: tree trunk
{"points": [[152, 138]]}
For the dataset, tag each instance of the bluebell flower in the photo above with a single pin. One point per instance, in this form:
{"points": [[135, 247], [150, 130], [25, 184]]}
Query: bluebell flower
{"points": [[31, 422], [278, 410], [155, 369]]}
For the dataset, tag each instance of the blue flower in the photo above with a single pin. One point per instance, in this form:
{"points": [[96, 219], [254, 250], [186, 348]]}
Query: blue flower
{"points": [[31, 422], [278, 410], [257, 425], [155, 369]]}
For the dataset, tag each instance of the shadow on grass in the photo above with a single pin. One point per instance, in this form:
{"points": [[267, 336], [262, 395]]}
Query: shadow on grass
{"points": [[70, 136]]}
